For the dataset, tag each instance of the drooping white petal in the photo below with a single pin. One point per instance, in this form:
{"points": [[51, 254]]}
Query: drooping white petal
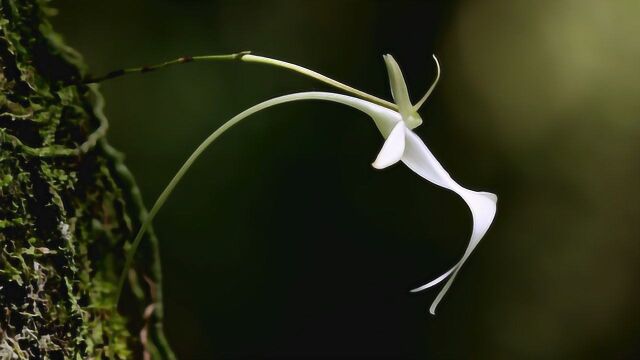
{"points": [[392, 149], [398, 87], [482, 204]]}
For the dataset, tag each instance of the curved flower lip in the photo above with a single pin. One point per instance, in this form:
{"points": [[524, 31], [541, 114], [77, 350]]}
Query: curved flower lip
{"points": [[483, 205], [403, 144]]}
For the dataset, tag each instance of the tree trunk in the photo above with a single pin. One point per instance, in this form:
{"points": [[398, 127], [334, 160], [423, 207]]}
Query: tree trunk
{"points": [[68, 207]]}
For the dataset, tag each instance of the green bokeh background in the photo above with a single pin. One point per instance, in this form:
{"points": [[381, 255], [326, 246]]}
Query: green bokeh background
{"points": [[284, 242]]}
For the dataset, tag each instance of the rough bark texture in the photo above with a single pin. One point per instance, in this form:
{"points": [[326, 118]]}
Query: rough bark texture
{"points": [[68, 207]]}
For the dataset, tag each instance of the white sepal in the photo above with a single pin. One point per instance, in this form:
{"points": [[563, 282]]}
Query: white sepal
{"points": [[393, 147], [399, 89]]}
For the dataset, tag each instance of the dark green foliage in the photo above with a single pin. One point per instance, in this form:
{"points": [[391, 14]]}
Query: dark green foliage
{"points": [[68, 206]]}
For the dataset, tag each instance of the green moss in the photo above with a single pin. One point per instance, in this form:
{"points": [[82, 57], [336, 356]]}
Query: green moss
{"points": [[68, 206]]}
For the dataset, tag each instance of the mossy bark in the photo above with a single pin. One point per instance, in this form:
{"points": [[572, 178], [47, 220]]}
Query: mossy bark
{"points": [[68, 207]]}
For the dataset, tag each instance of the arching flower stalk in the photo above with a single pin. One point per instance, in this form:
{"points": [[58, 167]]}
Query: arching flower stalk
{"points": [[396, 122]]}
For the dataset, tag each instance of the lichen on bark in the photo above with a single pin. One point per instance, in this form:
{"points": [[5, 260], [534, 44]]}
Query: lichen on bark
{"points": [[68, 207]]}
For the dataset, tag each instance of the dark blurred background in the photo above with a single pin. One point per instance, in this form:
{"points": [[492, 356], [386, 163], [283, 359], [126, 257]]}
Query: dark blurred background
{"points": [[284, 242]]}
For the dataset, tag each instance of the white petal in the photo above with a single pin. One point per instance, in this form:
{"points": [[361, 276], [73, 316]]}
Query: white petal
{"points": [[419, 159], [482, 204], [392, 149]]}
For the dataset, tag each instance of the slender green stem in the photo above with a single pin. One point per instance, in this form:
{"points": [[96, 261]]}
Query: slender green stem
{"points": [[246, 56], [148, 68], [373, 110], [315, 75]]}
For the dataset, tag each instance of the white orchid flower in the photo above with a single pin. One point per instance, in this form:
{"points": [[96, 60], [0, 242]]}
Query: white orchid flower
{"points": [[401, 144]]}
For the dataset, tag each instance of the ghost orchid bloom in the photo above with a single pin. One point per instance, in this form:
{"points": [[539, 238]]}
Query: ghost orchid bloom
{"points": [[402, 144], [395, 122]]}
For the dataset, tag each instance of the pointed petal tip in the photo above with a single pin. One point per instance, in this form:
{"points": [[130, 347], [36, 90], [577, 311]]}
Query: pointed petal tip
{"points": [[491, 196], [426, 286], [435, 303], [383, 163], [392, 149], [435, 281], [391, 61], [378, 165]]}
